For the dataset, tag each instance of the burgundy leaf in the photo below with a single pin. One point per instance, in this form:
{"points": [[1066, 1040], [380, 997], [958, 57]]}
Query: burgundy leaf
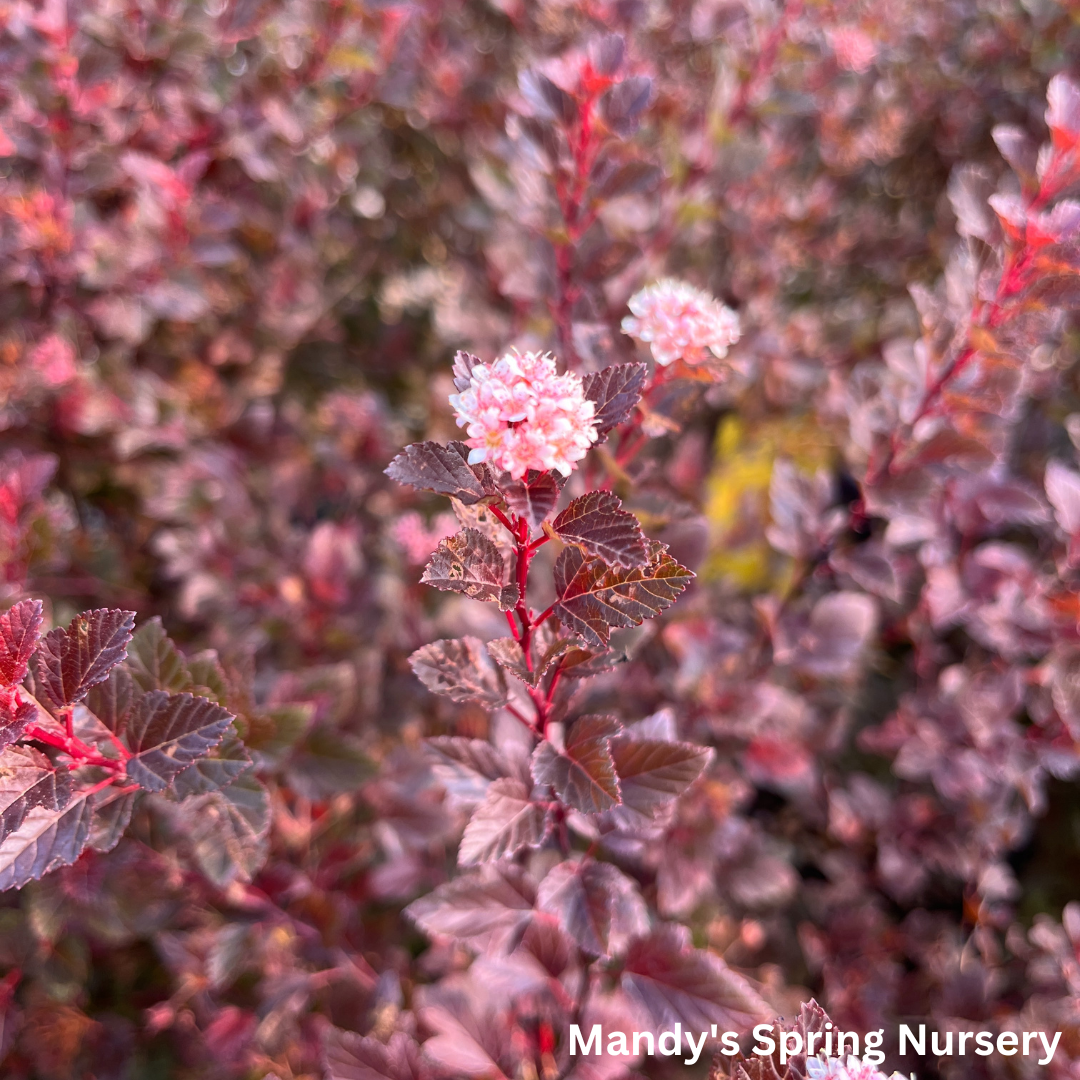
{"points": [[15, 716], [348, 1056], [461, 669], [596, 904], [470, 1039], [546, 651], [582, 775], [484, 907], [599, 257], [505, 822], [430, 466], [970, 186], [607, 54], [112, 815], [545, 941], [676, 983], [631, 177], [616, 391], [228, 829], [652, 773], [167, 732], [841, 626], [19, 627], [465, 767], [1063, 110], [70, 661], [228, 761], [1017, 148], [753, 1066], [581, 663], [45, 839], [547, 99], [111, 700], [593, 597], [28, 780], [470, 563], [463, 368], [534, 496], [622, 106], [155, 662], [596, 523]]}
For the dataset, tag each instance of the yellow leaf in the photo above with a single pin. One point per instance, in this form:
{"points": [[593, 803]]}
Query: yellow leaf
{"points": [[737, 495]]}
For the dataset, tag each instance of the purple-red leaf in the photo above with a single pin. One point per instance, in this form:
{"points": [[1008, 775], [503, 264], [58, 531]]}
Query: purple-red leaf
{"points": [[593, 597], [28, 780], [1063, 110], [48, 837], [841, 627], [534, 496], [622, 106], [430, 466], [463, 368], [167, 732], [484, 907], [545, 652], [676, 983], [470, 563], [348, 1056], [461, 669], [209, 774], [228, 829], [545, 98], [111, 700], [615, 391], [465, 767], [652, 773], [583, 774], [754, 1066], [19, 627], [70, 661], [505, 822], [582, 663], [112, 815], [597, 523], [154, 662], [596, 904], [15, 715], [631, 177]]}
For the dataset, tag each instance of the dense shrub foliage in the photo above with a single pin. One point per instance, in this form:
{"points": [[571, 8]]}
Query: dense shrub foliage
{"points": [[715, 361]]}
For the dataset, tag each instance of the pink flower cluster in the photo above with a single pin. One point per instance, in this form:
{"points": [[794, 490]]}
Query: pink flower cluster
{"points": [[521, 414], [416, 539], [852, 1069], [853, 47], [680, 322]]}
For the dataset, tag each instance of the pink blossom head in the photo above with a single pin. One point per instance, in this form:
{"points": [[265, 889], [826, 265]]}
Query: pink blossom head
{"points": [[854, 48], [521, 414], [680, 322], [836, 1069], [416, 539]]}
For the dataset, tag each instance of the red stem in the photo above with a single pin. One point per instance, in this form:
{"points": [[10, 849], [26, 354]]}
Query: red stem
{"points": [[77, 750], [543, 616], [504, 520]]}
